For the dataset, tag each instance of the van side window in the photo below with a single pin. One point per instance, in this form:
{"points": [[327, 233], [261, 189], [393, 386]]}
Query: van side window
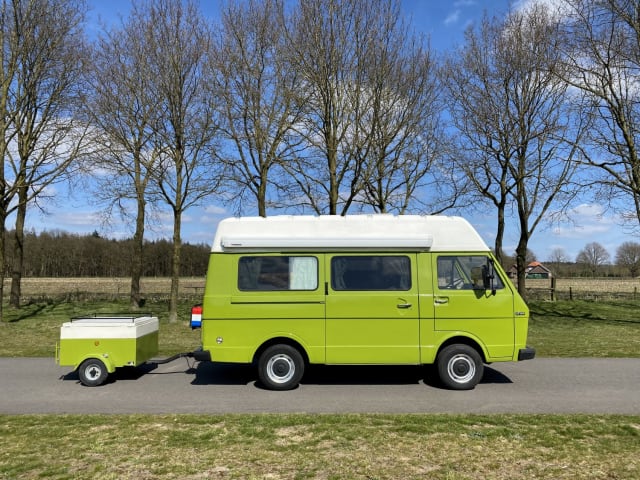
{"points": [[277, 273], [464, 272], [371, 273]]}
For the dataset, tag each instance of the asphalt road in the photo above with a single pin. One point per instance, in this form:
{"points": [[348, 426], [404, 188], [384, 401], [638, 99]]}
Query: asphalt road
{"points": [[543, 385]]}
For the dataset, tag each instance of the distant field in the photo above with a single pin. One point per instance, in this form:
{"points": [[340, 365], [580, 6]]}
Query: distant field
{"points": [[42, 287], [590, 284], [586, 289]]}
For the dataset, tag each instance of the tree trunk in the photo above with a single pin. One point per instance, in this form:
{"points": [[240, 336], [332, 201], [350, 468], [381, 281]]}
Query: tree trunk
{"points": [[521, 259], [18, 251], [175, 267], [137, 258], [499, 236], [3, 216], [262, 194]]}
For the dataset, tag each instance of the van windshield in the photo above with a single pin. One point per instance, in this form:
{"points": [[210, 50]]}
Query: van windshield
{"points": [[464, 272]]}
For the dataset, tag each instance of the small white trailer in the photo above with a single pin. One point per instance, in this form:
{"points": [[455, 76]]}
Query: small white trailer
{"points": [[97, 345]]}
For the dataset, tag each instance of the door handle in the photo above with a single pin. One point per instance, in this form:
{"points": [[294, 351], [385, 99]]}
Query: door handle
{"points": [[441, 301], [404, 305]]}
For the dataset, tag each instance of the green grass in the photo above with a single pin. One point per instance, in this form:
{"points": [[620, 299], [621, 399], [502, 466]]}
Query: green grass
{"points": [[33, 330], [585, 329], [320, 447], [331, 447], [556, 329]]}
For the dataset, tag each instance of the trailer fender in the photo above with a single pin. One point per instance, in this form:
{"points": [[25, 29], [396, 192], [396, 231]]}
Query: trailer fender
{"points": [[103, 357]]}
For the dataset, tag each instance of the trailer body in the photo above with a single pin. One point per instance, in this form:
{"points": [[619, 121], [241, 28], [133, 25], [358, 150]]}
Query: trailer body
{"points": [[96, 346]]}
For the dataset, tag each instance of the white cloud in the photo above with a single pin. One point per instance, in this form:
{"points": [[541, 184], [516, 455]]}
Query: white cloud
{"points": [[215, 210], [556, 7], [588, 219], [452, 18], [464, 3]]}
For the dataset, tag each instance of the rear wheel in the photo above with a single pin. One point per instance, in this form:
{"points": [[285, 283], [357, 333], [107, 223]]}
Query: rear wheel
{"points": [[93, 372], [280, 367], [460, 367]]}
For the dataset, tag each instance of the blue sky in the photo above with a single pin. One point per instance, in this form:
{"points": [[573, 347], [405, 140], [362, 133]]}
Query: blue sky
{"points": [[444, 22]]}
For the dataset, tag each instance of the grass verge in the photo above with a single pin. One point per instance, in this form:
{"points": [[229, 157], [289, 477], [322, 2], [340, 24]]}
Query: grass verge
{"points": [[556, 329], [585, 328], [320, 447], [334, 447], [33, 330]]}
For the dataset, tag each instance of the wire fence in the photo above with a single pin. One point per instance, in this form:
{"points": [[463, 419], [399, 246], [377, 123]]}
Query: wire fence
{"points": [[158, 288], [36, 290], [594, 289]]}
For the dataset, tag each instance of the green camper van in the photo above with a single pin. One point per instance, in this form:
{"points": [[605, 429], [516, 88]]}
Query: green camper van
{"points": [[283, 292]]}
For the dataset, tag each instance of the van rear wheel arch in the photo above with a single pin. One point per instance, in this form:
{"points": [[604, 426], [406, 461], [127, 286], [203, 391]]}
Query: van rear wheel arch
{"points": [[280, 341]]}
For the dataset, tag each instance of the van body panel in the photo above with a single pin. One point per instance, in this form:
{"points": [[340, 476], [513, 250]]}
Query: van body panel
{"points": [[347, 292], [236, 341], [428, 341], [461, 306], [372, 320]]}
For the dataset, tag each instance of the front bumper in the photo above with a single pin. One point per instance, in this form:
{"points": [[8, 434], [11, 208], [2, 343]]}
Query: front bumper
{"points": [[526, 354]]}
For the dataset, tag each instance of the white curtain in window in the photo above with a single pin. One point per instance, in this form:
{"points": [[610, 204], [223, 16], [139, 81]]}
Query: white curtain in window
{"points": [[303, 273]]}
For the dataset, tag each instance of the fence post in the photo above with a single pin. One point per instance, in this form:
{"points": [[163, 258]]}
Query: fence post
{"points": [[553, 289], [570, 293]]}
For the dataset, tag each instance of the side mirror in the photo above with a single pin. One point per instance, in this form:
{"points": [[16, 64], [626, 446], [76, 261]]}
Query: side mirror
{"points": [[488, 275], [478, 278]]}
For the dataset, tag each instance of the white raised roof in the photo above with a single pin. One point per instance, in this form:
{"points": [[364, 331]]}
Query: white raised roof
{"points": [[352, 232]]}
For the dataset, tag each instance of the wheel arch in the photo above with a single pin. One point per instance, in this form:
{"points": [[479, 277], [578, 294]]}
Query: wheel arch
{"points": [[281, 341], [108, 363], [462, 339]]}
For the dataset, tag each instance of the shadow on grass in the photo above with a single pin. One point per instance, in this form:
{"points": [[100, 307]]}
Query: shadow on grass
{"points": [[580, 311], [28, 311]]}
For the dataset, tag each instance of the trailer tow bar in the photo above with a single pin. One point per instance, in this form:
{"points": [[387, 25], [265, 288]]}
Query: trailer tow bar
{"points": [[162, 361]]}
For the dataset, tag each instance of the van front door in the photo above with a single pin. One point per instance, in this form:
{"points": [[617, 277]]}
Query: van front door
{"points": [[462, 303], [372, 309]]}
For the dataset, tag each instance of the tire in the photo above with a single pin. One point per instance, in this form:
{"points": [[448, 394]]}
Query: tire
{"points": [[460, 367], [92, 372], [280, 367]]}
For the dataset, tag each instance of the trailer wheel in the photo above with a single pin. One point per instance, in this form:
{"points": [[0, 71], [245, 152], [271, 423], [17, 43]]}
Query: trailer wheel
{"points": [[280, 367], [460, 367], [92, 372]]}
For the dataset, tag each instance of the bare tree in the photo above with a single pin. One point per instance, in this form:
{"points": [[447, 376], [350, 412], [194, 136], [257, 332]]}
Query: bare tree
{"points": [[399, 135], [122, 108], [518, 133], [330, 42], [628, 256], [603, 59], [557, 259], [593, 256], [257, 89], [178, 43], [42, 65], [558, 256]]}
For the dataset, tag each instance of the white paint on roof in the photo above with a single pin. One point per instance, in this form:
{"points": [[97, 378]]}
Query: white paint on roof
{"points": [[352, 232], [108, 327]]}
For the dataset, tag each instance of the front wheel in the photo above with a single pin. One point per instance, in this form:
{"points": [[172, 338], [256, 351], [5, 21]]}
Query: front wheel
{"points": [[93, 372], [460, 367], [280, 367]]}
